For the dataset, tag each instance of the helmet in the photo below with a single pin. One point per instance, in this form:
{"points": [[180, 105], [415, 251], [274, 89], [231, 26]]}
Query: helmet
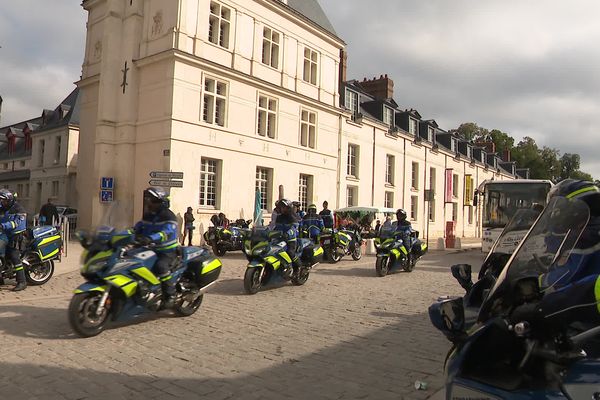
{"points": [[155, 199], [400, 214], [285, 203], [312, 207], [577, 189], [7, 199]]}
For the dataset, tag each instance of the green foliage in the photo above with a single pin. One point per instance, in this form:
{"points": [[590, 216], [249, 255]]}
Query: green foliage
{"points": [[544, 163]]}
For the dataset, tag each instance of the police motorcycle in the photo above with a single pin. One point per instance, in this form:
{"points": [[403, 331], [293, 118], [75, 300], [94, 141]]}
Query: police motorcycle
{"points": [[508, 355], [120, 284], [393, 253], [223, 239], [335, 244], [269, 262], [492, 266], [355, 246], [41, 246]]}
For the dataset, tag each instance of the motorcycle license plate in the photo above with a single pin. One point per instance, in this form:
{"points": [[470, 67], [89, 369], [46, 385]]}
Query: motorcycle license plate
{"points": [[326, 241]]}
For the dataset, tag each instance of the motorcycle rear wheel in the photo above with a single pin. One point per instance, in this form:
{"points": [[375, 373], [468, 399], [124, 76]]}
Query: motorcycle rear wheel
{"points": [[252, 281], [357, 253], [82, 314], [382, 266], [410, 264], [38, 272], [219, 250], [185, 308], [301, 278], [333, 256]]}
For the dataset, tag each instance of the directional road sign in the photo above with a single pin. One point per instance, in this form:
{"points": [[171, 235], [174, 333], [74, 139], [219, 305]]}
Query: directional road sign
{"points": [[166, 175], [157, 182]]}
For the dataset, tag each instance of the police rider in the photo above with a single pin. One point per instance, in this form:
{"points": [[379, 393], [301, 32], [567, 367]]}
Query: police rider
{"points": [[13, 224], [159, 226], [313, 223], [287, 222], [572, 290]]}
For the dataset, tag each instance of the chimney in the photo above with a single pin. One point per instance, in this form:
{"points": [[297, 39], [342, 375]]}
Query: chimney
{"points": [[343, 65], [381, 88], [506, 155]]}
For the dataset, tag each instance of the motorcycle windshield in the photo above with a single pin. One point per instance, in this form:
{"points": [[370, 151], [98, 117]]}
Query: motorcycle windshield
{"points": [[114, 218], [513, 232], [546, 247]]}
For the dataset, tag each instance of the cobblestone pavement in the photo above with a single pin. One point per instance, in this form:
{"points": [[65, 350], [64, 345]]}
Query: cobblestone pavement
{"points": [[345, 334]]}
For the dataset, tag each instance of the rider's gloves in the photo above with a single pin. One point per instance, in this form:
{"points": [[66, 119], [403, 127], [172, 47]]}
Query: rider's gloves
{"points": [[530, 312], [142, 240]]}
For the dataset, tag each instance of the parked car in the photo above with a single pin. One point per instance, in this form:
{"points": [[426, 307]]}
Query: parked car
{"points": [[63, 211]]}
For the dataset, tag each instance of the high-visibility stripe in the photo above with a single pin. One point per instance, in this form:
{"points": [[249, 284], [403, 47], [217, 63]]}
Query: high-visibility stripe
{"points": [[214, 264], [146, 274], [124, 283], [580, 191], [19, 268], [169, 246], [94, 289], [318, 251], [285, 256], [166, 278], [597, 293], [51, 254], [49, 239]]}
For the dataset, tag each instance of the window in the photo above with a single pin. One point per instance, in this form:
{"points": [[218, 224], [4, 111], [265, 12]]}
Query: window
{"points": [[351, 196], [388, 116], [270, 51], [26, 192], [214, 102], [267, 116], [219, 24], [389, 169], [208, 182], [454, 212], [455, 185], [414, 207], [21, 163], [5, 166], [432, 179], [20, 189], [311, 59], [432, 210], [305, 191], [412, 126], [430, 134], [42, 150], [308, 128], [352, 169], [263, 183], [415, 176], [470, 215], [351, 101], [453, 145], [54, 188], [469, 152], [57, 149], [388, 201]]}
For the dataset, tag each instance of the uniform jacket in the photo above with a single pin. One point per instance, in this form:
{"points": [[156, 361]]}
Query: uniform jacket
{"points": [[13, 221], [161, 228]]}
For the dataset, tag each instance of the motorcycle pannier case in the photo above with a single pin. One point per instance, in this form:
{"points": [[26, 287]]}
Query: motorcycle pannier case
{"points": [[47, 242], [204, 266]]}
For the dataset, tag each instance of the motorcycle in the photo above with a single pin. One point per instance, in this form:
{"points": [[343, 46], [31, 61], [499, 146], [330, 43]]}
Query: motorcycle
{"points": [[356, 242], [394, 253], [492, 265], [42, 247], [335, 244], [223, 239], [269, 262], [506, 356], [120, 284]]}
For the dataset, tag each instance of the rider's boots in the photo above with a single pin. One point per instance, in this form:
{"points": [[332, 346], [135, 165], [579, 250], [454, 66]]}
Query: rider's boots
{"points": [[21, 282], [168, 290]]}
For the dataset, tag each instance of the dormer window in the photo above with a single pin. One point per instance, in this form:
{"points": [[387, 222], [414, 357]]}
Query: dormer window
{"points": [[453, 144], [430, 134], [412, 126], [351, 101], [469, 152], [388, 116]]}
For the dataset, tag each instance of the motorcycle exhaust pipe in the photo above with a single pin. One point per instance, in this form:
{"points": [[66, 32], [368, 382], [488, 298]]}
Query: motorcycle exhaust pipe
{"points": [[204, 289]]}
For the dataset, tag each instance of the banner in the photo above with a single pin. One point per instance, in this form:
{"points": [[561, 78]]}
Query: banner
{"points": [[448, 191]]}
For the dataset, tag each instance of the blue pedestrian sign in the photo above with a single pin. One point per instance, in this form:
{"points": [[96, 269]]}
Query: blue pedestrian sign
{"points": [[108, 183], [106, 196]]}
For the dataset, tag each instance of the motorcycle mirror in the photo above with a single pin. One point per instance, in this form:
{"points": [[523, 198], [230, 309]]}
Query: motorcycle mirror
{"points": [[449, 317], [462, 273], [84, 237]]}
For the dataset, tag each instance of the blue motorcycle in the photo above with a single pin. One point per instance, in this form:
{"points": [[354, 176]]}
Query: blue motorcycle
{"points": [[396, 250], [121, 285], [505, 355]]}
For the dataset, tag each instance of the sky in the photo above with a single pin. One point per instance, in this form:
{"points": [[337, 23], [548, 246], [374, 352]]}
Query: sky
{"points": [[525, 67]]}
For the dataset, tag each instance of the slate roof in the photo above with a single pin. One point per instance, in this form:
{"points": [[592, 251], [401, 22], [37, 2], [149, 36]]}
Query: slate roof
{"points": [[312, 10]]}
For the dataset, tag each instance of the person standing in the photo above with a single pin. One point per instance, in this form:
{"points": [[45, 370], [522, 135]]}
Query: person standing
{"points": [[49, 214], [327, 216], [12, 224], [188, 226]]}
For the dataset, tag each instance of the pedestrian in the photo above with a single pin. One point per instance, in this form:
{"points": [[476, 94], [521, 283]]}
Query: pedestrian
{"points": [[327, 216], [388, 223], [49, 214], [377, 227], [188, 226]]}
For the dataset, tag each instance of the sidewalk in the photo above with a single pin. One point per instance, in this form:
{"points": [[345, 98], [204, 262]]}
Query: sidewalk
{"points": [[70, 262]]}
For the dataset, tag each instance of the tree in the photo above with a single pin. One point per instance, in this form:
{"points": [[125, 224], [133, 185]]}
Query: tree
{"points": [[552, 165], [569, 165], [471, 131], [502, 140]]}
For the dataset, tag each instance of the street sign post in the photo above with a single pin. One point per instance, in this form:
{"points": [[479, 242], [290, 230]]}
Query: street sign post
{"points": [[156, 182], [166, 175]]}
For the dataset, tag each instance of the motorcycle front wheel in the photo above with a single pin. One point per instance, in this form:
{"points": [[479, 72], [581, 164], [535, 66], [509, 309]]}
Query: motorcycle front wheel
{"points": [[252, 281], [357, 253], [382, 266], [301, 278], [410, 264], [82, 314], [189, 304], [37, 272], [333, 256], [219, 250]]}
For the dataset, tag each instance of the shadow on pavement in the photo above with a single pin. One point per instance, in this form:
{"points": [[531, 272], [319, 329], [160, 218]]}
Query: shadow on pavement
{"points": [[383, 364]]}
